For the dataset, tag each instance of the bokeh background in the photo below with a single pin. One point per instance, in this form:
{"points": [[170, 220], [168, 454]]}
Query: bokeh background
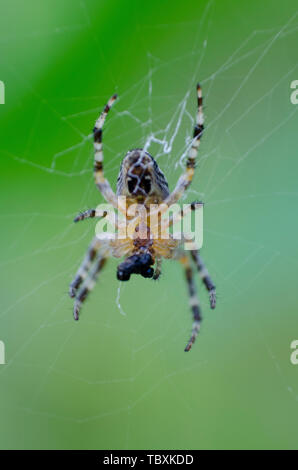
{"points": [[119, 378]]}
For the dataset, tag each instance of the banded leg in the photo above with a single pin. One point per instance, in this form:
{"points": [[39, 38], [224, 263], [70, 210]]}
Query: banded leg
{"points": [[88, 285], [204, 274], [180, 215], [193, 301], [110, 216], [90, 213], [83, 270], [186, 178], [102, 184], [157, 271]]}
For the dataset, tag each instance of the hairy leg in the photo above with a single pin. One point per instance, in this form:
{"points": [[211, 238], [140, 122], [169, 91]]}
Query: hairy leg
{"points": [[85, 266], [204, 274], [193, 301], [101, 182], [186, 178], [88, 285]]}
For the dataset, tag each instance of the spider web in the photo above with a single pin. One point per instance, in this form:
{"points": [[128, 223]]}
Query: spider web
{"points": [[151, 113]]}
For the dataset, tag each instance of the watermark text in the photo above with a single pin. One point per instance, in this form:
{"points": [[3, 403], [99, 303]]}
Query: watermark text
{"points": [[174, 223], [294, 94], [294, 354], [2, 353], [2, 92]]}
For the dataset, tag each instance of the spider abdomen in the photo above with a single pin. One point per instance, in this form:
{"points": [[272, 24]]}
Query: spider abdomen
{"points": [[140, 177]]}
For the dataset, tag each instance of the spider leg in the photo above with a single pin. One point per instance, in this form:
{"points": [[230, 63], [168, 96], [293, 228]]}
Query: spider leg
{"points": [[88, 285], [101, 182], [186, 178], [157, 271], [82, 272], [193, 301], [204, 274], [98, 213], [90, 213], [191, 207]]}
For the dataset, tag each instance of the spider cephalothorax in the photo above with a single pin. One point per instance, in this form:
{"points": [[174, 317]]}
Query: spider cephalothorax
{"points": [[142, 182]]}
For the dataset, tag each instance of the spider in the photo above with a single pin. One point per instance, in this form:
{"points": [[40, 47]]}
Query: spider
{"points": [[141, 181]]}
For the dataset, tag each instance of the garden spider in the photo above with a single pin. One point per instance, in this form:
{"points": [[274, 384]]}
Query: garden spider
{"points": [[141, 181]]}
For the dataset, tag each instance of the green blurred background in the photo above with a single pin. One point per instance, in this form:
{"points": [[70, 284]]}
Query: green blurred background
{"points": [[115, 380]]}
